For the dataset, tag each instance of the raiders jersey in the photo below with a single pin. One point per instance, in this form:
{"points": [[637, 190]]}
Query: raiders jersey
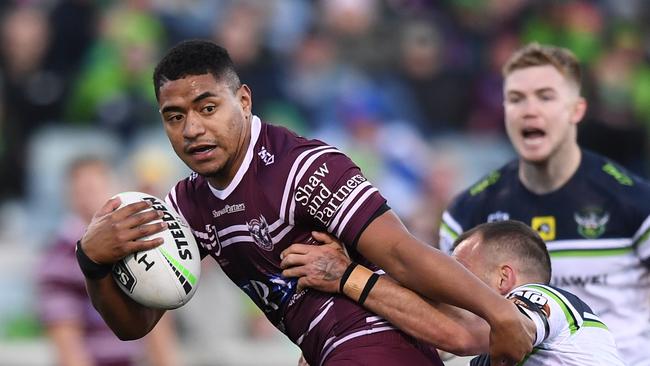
{"points": [[286, 187], [597, 231], [568, 332]]}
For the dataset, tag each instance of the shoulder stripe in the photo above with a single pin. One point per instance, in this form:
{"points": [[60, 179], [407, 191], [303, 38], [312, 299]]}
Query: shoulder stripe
{"points": [[642, 235], [353, 210], [288, 186], [171, 200], [452, 234], [452, 224], [342, 209], [572, 317], [308, 163]]}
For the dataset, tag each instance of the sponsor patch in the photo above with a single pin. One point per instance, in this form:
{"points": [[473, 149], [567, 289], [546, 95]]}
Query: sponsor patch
{"points": [[545, 227]]}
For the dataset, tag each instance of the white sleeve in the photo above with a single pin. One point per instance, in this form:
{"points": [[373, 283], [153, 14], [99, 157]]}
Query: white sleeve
{"points": [[551, 312]]}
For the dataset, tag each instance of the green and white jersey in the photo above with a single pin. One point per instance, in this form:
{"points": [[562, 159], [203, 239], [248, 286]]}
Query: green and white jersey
{"points": [[568, 332], [597, 230]]}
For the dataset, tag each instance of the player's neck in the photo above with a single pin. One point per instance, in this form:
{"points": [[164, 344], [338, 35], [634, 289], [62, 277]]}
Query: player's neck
{"points": [[221, 181], [546, 177]]}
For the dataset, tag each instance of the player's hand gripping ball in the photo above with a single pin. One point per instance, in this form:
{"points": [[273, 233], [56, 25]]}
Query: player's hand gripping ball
{"points": [[164, 277]]}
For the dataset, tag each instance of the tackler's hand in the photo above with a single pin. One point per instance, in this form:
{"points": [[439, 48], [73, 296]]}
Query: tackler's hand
{"points": [[317, 266]]}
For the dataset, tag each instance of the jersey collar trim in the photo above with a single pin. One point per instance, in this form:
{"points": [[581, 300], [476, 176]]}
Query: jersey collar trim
{"points": [[256, 126]]}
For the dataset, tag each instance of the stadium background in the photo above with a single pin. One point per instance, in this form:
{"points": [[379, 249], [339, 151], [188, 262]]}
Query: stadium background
{"points": [[409, 88]]}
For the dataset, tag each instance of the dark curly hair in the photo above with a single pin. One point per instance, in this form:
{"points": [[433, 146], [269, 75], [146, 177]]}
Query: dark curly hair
{"points": [[195, 57]]}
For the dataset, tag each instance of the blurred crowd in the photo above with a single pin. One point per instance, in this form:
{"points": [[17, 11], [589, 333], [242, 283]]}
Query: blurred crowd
{"points": [[410, 89]]}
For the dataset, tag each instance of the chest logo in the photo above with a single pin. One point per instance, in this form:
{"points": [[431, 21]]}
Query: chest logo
{"points": [[592, 222], [259, 230], [266, 156], [545, 227]]}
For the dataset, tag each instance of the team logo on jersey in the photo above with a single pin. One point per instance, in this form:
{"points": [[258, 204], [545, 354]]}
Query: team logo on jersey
{"points": [[498, 216], [266, 156], [209, 239], [545, 227], [591, 221], [259, 230]]}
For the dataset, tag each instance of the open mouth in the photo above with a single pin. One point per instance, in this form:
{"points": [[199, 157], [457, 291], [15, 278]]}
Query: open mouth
{"points": [[200, 149], [532, 133]]}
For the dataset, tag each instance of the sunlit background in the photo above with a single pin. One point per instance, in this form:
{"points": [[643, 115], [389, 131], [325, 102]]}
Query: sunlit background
{"points": [[410, 89]]}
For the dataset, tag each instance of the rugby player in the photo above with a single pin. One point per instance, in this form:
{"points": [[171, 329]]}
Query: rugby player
{"points": [[255, 189], [593, 214], [506, 255]]}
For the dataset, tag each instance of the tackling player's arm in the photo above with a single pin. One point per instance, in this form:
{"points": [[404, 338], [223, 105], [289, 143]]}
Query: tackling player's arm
{"points": [[112, 235], [449, 328], [426, 270], [321, 267]]}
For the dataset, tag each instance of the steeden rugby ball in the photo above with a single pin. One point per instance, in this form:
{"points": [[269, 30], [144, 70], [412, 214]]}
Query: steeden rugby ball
{"points": [[167, 276]]}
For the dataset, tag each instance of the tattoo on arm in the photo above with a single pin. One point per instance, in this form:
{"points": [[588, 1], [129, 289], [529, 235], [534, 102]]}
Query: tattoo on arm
{"points": [[327, 266]]}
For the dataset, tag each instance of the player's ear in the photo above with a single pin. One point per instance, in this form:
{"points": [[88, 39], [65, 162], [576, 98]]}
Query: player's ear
{"points": [[245, 97], [579, 110], [507, 279]]}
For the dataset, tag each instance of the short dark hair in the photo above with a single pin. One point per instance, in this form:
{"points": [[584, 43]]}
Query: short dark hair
{"points": [[517, 241], [195, 57]]}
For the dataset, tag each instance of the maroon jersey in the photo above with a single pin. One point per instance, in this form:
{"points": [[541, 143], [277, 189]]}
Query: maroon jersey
{"points": [[286, 187]]}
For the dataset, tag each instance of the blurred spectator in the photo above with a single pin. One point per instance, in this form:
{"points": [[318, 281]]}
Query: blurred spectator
{"points": [[440, 94], [114, 86], [32, 94], [78, 333], [242, 32]]}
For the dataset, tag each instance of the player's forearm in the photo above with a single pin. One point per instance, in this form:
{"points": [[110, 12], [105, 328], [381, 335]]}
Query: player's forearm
{"points": [[426, 270], [431, 323], [128, 319]]}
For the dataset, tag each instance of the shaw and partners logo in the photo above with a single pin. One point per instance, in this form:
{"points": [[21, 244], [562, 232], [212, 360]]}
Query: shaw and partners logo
{"points": [[259, 230]]}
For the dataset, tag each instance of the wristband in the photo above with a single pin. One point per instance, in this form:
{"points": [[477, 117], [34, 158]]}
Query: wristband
{"points": [[90, 268], [366, 289], [356, 282], [346, 275]]}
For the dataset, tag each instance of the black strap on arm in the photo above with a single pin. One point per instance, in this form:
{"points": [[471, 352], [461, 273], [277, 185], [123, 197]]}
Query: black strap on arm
{"points": [[91, 269]]}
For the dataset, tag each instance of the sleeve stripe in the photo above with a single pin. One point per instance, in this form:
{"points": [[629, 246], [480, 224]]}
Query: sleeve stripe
{"points": [[642, 233], [452, 234], [354, 209], [452, 224], [171, 200], [345, 205], [292, 172]]}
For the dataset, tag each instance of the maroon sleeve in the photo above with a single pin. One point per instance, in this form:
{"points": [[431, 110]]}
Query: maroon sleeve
{"points": [[330, 193], [179, 196]]}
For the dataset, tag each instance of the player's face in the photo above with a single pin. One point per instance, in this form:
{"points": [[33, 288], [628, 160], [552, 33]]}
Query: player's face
{"points": [[542, 109], [468, 253], [207, 123]]}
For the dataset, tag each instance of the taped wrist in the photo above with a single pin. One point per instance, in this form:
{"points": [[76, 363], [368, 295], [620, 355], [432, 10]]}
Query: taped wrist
{"points": [[90, 268], [357, 281]]}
